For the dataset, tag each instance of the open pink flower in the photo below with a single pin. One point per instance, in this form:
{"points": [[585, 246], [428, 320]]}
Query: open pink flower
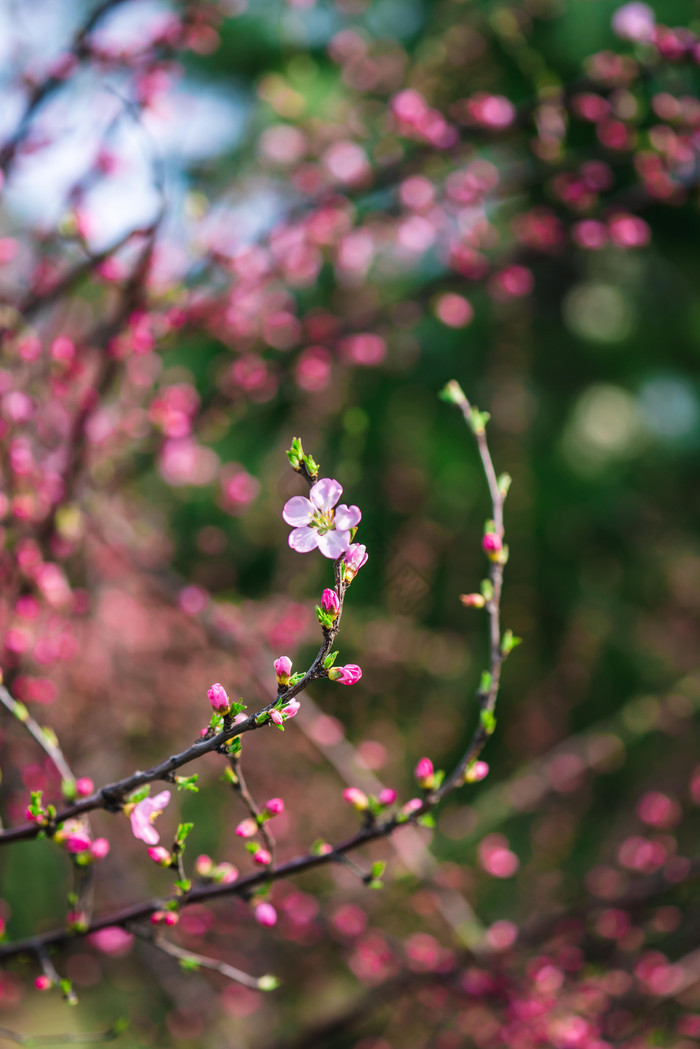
{"points": [[143, 815], [316, 524]]}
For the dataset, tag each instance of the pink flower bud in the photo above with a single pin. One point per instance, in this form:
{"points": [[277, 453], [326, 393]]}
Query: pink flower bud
{"points": [[355, 557], [476, 772], [411, 806], [78, 842], [218, 698], [491, 544], [203, 866], [275, 806], [157, 917], [225, 873], [84, 787], [330, 602], [292, 708], [283, 668], [472, 600], [263, 857], [276, 717], [171, 918], [424, 773], [265, 914], [355, 797], [239, 718], [347, 675], [160, 855], [387, 796], [99, 848], [247, 828], [42, 983]]}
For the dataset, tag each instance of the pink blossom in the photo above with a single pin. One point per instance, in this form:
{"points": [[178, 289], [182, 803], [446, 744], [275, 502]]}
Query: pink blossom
{"points": [[143, 815], [634, 21], [247, 828], [84, 787], [292, 708], [316, 524], [275, 806], [283, 668], [203, 866], [387, 796], [491, 543], [350, 674], [265, 914], [276, 717], [74, 836], [411, 806], [357, 798], [218, 698], [225, 873], [424, 773], [99, 848], [263, 857], [330, 602], [42, 983], [160, 855], [112, 940], [355, 557]]}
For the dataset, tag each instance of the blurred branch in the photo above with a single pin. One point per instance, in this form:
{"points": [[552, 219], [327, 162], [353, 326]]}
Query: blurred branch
{"points": [[190, 961], [44, 737]]}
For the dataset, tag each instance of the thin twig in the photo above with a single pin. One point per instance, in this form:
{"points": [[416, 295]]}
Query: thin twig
{"points": [[201, 961]]}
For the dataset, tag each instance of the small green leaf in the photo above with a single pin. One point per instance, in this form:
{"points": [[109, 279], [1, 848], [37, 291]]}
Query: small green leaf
{"points": [[509, 641], [488, 721], [485, 683], [181, 835], [139, 795], [183, 884], [375, 884], [378, 868], [504, 483], [187, 782], [487, 589], [296, 678], [330, 660], [21, 712], [452, 393], [426, 820], [189, 965]]}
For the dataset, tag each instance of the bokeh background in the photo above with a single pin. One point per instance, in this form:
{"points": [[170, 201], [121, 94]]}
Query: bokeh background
{"points": [[591, 378]]}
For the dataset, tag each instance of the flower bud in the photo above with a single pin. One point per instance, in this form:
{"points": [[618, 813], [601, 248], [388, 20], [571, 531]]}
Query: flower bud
{"points": [[84, 787], [99, 848], [424, 773], [476, 772], [160, 855], [283, 668], [472, 600], [247, 828], [387, 796], [225, 873], [355, 797], [42, 983], [347, 675], [275, 806], [411, 806], [265, 914], [292, 708], [330, 602], [355, 557], [218, 698], [263, 857], [171, 918], [492, 545], [276, 717], [203, 866]]}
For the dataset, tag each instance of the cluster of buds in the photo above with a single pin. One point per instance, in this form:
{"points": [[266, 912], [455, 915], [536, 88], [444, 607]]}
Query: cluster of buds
{"points": [[221, 873], [289, 710], [362, 803], [165, 918], [74, 836]]}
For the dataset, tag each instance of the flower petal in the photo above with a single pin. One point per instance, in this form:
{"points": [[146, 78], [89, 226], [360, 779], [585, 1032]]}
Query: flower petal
{"points": [[347, 517], [298, 511], [161, 800], [325, 494], [303, 539], [334, 544]]}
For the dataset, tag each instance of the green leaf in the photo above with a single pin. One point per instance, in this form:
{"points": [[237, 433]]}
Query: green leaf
{"points": [[509, 641], [20, 711], [183, 884], [378, 868], [189, 965], [181, 835], [187, 782], [375, 884], [485, 683], [330, 660], [452, 393], [488, 721], [426, 820], [139, 795], [504, 483]]}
